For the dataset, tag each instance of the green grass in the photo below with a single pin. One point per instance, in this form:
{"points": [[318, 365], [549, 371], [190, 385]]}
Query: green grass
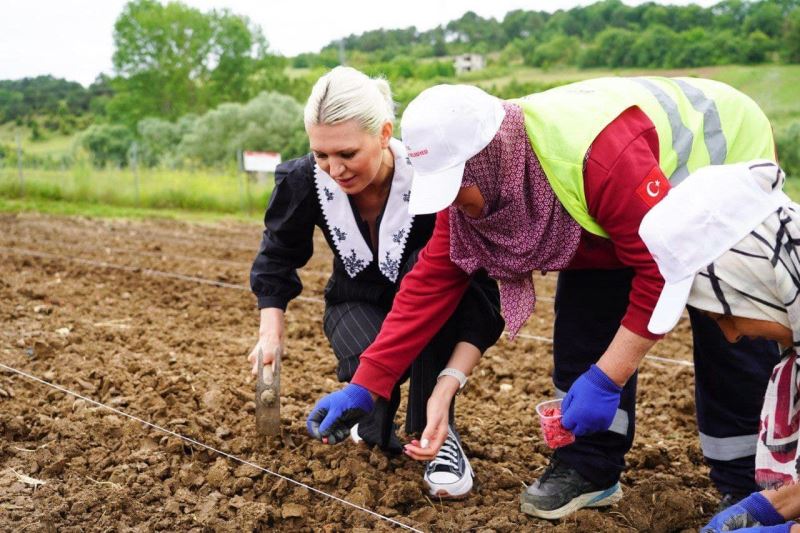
{"points": [[157, 189], [61, 207], [773, 87], [55, 145]]}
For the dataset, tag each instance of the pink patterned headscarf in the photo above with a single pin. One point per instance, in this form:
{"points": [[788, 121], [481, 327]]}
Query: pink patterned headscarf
{"points": [[523, 226]]}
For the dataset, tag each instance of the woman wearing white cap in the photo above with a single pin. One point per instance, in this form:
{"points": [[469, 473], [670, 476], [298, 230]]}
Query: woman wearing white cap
{"points": [[727, 242], [560, 181], [354, 186]]}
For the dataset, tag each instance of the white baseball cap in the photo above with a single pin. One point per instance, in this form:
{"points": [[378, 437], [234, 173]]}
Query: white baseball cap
{"points": [[442, 128], [702, 218]]}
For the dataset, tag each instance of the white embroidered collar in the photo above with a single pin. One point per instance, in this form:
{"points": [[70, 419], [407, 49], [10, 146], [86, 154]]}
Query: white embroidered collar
{"points": [[395, 225]]}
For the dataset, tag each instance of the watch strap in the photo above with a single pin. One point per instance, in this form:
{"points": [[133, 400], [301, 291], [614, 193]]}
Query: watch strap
{"points": [[454, 372]]}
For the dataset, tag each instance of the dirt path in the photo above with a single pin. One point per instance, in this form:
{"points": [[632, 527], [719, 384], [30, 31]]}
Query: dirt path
{"points": [[154, 318]]}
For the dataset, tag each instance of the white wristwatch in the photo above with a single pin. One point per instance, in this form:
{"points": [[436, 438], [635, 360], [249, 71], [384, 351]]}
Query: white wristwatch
{"points": [[453, 372]]}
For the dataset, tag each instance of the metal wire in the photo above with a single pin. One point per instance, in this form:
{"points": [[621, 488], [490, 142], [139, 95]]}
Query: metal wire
{"points": [[173, 275], [207, 447], [194, 279]]}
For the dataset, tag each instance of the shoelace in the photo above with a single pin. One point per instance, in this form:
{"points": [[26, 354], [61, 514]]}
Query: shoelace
{"points": [[448, 454], [551, 471]]}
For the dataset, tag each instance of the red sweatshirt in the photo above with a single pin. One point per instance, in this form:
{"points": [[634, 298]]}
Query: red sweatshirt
{"points": [[622, 181]]}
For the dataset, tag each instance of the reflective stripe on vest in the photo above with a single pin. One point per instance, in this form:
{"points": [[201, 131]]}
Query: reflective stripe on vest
{"points": [[698, 122], [712, 125], [682, 137]]}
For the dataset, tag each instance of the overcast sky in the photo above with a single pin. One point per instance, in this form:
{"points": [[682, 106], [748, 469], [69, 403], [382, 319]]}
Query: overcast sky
{"points": [[72, 39]]}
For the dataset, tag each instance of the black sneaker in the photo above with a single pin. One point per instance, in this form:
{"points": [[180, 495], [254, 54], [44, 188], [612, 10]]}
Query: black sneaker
{"points": [[449, 475], [561, 490]]}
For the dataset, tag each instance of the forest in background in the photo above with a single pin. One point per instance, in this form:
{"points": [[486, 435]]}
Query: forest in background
{"points": [[190, 88]]}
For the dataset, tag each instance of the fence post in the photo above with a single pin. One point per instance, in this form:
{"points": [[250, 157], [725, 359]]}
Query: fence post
{"points": [[241, 175], [19, 166], [247, 191], [135, 167]]}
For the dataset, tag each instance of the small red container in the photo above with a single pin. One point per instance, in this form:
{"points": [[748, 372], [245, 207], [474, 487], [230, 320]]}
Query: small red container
{"points": [[555, 435]]}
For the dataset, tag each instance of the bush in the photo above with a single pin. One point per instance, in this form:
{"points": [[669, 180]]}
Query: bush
{"points": [[654, 47], [158, 138], [560, 50], [108, 144], [271, 121]]}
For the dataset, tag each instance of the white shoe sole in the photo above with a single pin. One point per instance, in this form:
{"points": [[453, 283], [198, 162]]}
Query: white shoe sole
{"points": [[600, 498], [354, 435], [452, 491]]}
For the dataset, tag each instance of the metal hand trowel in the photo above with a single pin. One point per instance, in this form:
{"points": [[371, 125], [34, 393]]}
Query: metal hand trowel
{"points": [[268, 395]]}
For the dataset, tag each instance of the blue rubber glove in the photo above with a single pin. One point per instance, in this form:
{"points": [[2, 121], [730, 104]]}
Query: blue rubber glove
{"points": [[780, 528], [755, 510], [334, 414], [590, 403]]}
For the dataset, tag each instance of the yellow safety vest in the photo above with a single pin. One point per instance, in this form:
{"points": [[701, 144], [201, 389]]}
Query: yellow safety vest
{"points": [[699, 122]]}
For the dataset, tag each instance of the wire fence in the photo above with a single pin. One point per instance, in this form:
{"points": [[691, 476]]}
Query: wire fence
{"points": [[221, 191]]}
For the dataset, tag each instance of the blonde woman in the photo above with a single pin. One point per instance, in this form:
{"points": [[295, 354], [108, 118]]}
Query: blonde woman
{"points": [[354, 186]]}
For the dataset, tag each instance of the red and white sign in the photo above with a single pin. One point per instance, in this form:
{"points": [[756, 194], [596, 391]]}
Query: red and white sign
{"points": [[261, 161]]}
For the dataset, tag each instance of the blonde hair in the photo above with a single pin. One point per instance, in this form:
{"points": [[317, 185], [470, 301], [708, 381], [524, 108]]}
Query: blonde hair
{"points": [[344, 94]]}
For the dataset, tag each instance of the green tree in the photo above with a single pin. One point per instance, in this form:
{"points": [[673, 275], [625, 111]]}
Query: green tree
{"points": [[729, 14], [12, 105], [691, 16], [42, 95], [614, 47], [162, 53], [757, 47], [654, 46], [473, 29], [512, 53], [173, 59], [696, 49], [234, 38], [560, 50], [519, 24], [656, 14], [439, 46], [729, 47], [765, 17], [790, 47]]}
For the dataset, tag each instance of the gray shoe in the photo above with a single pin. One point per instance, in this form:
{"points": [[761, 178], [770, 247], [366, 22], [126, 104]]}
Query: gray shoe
{"points": [[561, 491]]}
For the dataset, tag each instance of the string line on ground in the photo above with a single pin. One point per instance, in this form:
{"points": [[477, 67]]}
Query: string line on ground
{"points": [[173, 275], [206, 446]]}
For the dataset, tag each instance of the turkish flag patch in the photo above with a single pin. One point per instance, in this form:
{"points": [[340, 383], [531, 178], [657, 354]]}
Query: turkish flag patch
{"points": [[653, 187]]}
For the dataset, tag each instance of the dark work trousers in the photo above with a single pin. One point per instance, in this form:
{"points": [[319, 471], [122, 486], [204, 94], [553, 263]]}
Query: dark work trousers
{"points": [[589, 307], [352, 326], [730, 380]]}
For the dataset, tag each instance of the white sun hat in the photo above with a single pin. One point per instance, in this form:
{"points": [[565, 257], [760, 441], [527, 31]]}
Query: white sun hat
{"points": [[702, 218], [442, 128]]}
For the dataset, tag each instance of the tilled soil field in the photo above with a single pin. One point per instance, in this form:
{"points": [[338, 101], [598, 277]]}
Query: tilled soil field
{"points": [[154, 319]]}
